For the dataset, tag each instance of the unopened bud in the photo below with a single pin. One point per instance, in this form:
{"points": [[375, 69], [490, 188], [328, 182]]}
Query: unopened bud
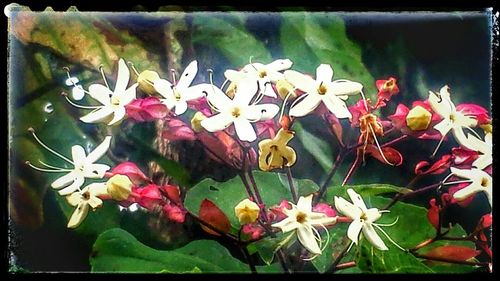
{"points": [[487, 128], [196, 121], [284, 88], [418, 118], [231, 89], [247, 211], [146, 81], [119, 187]]}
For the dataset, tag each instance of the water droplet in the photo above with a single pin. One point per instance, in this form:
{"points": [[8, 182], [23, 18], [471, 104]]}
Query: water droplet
{"points": [[49, 108], [45, 120]]}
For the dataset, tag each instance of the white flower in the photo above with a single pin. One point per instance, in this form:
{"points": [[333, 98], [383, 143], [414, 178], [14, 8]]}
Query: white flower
{"points": [[179, 94], [362, 220], [238, 110], [480, 182], [113, 102], [485, 147], [83, 200], [263, 73], [84, 167], [452, 119], [323, 89], [302, 219]]}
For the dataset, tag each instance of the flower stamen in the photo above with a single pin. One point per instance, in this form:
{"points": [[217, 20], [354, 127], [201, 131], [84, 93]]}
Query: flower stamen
{"points": [[103, 76], [32, 131]]}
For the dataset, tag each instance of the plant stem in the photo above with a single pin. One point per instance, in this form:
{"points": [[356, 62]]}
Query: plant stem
{"points": [[396, 140], [248, 257], [293, 190], [333, 266], [331, 173], [345, 265]]}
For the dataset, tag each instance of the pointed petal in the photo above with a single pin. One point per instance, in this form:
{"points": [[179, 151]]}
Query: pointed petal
{"points": [[97, 115], [373, 214], [164, 88], [187, 76], [64, 180], [442, 105], [473, 143], [337, 106], [128, 95], [74, 199], [100, 93], [95, 171], [274, 76], [99, 151], [356, 199], [320, 219], [78, 215], [443, 127], [372, 237], [324, 73], [305, 203], [123, 77], [245, 91], [464, 173], [217, 98], [266, 88], [244, 130], [483, 161], [345, 88], [279, 65], [77, 183], [78, 155], [459, 135], [468, 191], [354, 230], [233, 75], [308, 240], [180, 107], [261, 112], [196, 92], [217, 122], [301, 81], [305, 106], [287, 224], [347, 208], [118, 115]]}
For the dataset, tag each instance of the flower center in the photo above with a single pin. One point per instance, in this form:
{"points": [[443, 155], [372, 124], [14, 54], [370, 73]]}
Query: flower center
{"points": [[322, 89], [363, 217], [236, 112], [484, 182], [262, 73], [389, 84], [300, 217], [115, 101], [177, 95], [86, 195], [452, 117]]}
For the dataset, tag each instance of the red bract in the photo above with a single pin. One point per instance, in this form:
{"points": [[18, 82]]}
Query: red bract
{"points": [[174, 213], [212, 215], [266, 129], [222, 148], [200, 104], [276, 212], [453, 189], [453, 252], [148, 197], [147, 109], [335, 126], [386, 89], [479, 112], [391, 155], [439, 167], [358, 110], [325, 209], [433, 214], [253, 229], [399, 121], [130, 170], [173, 193], [178, 130], [463, 156]]}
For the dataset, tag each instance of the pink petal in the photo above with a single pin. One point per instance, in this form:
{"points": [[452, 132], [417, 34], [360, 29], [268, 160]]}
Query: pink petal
{"points": [[130, 170]]}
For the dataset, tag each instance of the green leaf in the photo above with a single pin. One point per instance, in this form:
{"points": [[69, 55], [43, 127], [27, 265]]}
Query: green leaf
{"points": [[336, 244], [321, 38], [227, 37], [118, 251], [226, 195], [317, 147], [268, 246], [365, 190]]}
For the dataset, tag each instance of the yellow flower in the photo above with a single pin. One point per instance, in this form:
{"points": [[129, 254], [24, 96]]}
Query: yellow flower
{"points": [[119, 187], [196, 121], [418, 118], [247, 211], [146, 81], [275, 153]]}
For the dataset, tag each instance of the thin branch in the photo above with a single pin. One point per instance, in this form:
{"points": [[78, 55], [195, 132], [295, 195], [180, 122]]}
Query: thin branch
{"points": [[331, 173], [293, 189]]}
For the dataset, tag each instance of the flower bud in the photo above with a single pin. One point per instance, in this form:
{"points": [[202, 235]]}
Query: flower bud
{"points": [[487, 128], [231, 89], [418, 118], [284, 88], [146, 80], [247, 211], [196, 122], [119, 187]]}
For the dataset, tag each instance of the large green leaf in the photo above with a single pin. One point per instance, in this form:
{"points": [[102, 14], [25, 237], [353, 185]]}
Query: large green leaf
{"points": [[226, 195], [118, 251], [227, 36], [365, 190]]}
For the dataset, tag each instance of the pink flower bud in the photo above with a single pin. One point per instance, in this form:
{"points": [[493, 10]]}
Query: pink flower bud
{"points": [[148, 197], [174, 213], [325, 209], [178, 130], [147, 109], [130, 170]]}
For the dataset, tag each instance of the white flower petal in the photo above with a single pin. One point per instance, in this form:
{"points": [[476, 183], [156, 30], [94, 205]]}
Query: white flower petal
{"points": [[468, 191], [261, 112], [188, 75], [308, 240], [279, 65], [77, 93], [74, 199], [96, 189], [354, 230], [64, 180], [79, 180], [372, 237], [164, 88], [100, 93], [78, 215], [301, 81], [217, 122], [218, 99], [372, 214], [286, 225], [347, 208], [336, 106], [97, 115], [483, 161], [196, 92], [305, 106], [443, 127], [246, 90], [234, 76], [356, 199], [123, 77], [266, 88], [464, 173], [459, 135], [119, 113], [441, 105], [99, 150], [324, 73], [244, 130], [128, 95], [314, 218], [305, 203], [344, 88], [180, 107], [95, 171], [78, 155]]}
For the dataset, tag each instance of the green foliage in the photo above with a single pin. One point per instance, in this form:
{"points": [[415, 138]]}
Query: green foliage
{"points": [[117, 251]]}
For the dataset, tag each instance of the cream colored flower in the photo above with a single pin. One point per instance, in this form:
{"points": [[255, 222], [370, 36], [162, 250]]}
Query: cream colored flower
{"points": [[119, 187], [418, 118], [247, 211], [84, 200], [274, 153]]}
